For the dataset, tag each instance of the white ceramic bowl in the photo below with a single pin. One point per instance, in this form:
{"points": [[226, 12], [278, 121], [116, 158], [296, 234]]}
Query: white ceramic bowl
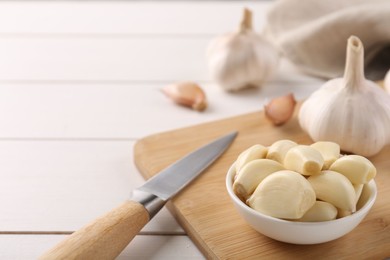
{"points": [[302, 232]]}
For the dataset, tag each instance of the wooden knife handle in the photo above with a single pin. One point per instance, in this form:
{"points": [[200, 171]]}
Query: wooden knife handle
{"points": [[106, 237]]}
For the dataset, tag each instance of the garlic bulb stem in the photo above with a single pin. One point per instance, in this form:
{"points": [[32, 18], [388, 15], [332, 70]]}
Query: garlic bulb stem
{"points": [[246, 22], [354, 66]]}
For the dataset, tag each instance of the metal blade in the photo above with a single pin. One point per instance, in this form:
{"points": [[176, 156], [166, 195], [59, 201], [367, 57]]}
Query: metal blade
{"points": [[175, 177]]}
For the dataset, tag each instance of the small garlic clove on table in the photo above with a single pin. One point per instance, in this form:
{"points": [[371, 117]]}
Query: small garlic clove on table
{"points": [[279, 110], [187, 94]]}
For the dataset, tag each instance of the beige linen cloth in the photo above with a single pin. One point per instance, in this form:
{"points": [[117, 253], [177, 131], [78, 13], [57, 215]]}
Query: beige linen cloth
{"points": [[313, 34]]}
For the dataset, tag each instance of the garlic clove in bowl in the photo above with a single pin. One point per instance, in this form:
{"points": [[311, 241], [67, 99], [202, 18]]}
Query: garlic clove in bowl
{"points": [[304, 233], [286, 206], [242, 58]]}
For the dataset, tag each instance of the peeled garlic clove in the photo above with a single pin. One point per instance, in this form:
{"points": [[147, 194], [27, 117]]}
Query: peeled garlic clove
{"points": [[277, 151], [341, 213], [364, 196], [356, 168], [252, 174], [241, 59], [351, 111], [279, 110], [386, 82], [330, 151], [358, 190], [284, 194], [304, 159], [256, 151], [187, 94], [335, 188], [321, 211]]}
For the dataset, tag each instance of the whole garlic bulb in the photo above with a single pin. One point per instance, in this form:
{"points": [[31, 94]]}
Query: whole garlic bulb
{"points": [[241, 59], [351, 111]]}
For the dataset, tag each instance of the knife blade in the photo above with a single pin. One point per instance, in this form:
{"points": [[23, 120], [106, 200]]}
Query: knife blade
{"points": [[108, 235]]}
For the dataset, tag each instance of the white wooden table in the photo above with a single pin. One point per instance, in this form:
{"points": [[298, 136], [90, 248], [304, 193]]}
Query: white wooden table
{"points": [[79, 85]]}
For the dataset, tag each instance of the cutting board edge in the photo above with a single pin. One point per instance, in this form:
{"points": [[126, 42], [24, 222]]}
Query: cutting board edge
{"points": [[191, 232]]}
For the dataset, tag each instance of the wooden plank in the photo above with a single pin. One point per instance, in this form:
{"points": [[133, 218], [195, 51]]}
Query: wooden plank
{"points": [[209, 217], [113, 59], [122, 17], [108, 58], [59, 186], [28, 247], [109, 110]]}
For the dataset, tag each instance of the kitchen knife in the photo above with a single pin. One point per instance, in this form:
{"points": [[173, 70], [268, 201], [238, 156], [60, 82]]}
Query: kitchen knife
{"points": [[108, 235]]}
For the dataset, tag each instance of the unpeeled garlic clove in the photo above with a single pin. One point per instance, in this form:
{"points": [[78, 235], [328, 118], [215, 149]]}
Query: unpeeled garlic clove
{"points": [[279, 110], [242, 58], [283, 194], [187, 94], [277, 151], [335, 188], [252, 174], [330, 152], [356, 168], [256, 151], [304, 159]]}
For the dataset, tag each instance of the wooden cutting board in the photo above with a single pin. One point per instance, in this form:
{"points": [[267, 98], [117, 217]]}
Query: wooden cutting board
{"points": [[209, 217]]}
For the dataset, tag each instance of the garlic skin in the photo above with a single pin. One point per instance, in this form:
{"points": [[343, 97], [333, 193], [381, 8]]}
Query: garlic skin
{"points": [[351, 111], [187, 94], [241, 59], [386, 82]]}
